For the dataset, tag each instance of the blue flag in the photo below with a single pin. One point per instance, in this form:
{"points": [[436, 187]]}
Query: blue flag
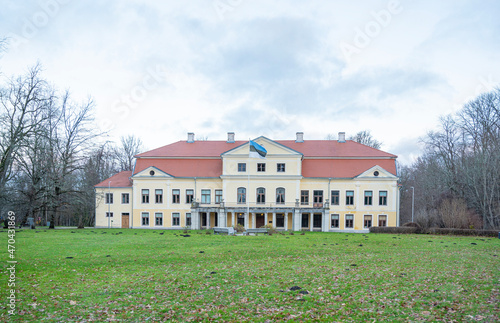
{"points": [[257, 151]]}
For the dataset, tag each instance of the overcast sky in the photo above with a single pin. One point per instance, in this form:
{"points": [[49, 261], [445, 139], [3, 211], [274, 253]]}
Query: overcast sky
{"points": [[160, 69]]}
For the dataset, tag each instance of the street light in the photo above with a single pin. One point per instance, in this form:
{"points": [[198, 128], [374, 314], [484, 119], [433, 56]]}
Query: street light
{"points": [[109, 204], [412, 202]]}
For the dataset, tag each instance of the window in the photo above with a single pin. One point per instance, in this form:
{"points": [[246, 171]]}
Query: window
{"points": [[367, 223], [317, 198], [335, 220], [305, 220], [280, 167], [261, 195], [159, 219], [382, 198], [145, 218], [349, 198], [218, 196], [176, 219], [280, 195], [335, 197], [382, 220], [158, 196], [368, 197], [176, 196], [304, 197], [205, 197], [109, 198], [189, 196], [125, 198], [242, 167], [188, 219], [242, 195], [145, 196], [280, 220], [349, 221], [109, 214], [261, 167]]}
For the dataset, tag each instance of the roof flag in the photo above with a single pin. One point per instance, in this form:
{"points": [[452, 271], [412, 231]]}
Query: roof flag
{"points": [[257, 151]]}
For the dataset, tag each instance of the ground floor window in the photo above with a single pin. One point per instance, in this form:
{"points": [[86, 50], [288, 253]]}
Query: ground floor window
{"points": [[216, 220], [280, 220], [240, 219], [305, 220], [159, 219], [176, 219], [367, 223], [317, 220], [349, 221], [145, 218], [335, 220], [188, 219], [203, 219], [382, 220]]}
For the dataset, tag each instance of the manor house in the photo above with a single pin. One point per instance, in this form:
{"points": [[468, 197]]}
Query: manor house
{"points": [[317, 185]]}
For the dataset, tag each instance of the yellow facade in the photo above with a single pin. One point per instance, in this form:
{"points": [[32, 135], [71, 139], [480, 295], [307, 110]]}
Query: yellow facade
{"points": [[274, 193]]}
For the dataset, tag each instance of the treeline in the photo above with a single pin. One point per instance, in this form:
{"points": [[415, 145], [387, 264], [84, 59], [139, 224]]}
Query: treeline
{"points": [[52, 154], [457, 181]]}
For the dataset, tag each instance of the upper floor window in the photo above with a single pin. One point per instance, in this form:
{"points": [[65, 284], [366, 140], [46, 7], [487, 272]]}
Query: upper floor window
{"points": [[109, 214], [205, 197], [335, 197], [145, 196], [280, 195], [125, 198], [176, 196], [280, 167], [189, 196], [218, 196], [304, 197], [368, 197], [382, 198], [318, 197], [109, 198], [159, 196], [349, 198], [261, 167], [242, 167], [242, 195], [261, 195]]}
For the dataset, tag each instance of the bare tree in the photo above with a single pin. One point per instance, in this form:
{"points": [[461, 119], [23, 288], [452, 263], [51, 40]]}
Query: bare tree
{"points": [[365, 137], [130, 146]]}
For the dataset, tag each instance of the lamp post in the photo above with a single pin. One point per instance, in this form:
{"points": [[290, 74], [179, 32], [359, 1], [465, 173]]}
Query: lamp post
{"points": [[412, 202], [109, 204]]}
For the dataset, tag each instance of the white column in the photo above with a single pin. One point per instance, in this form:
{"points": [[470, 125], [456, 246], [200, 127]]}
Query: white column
{"points": [[233, 215], [246, 220], [274, 219], [208, 220], [265, 219], [325, 226], [254, 215], [195, 219], [296, 220], [311, 217], [286, 221]]}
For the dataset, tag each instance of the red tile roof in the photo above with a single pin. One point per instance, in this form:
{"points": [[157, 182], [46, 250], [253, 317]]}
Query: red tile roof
{"points": [[118, 180], [322, 158]]}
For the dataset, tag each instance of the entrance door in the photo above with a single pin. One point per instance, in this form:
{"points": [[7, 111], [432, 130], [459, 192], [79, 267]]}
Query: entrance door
{"points": [[125, 218], [259, 220], [317, 220]]}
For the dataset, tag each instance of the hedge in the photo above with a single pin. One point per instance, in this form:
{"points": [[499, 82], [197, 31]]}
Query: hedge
{"points": [[447, 231]]}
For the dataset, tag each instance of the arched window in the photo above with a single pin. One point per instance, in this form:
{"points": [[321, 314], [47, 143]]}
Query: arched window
{"points": [[280, 195], [261, 195], [242, 195]]}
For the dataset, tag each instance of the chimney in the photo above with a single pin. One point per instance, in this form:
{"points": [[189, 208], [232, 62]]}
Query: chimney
{"points": [[341, 136], [230, 137], [190, 137], [300, 137]]}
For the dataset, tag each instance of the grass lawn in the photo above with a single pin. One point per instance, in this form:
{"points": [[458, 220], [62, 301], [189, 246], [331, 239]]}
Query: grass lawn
{"points": [[152, 275]]}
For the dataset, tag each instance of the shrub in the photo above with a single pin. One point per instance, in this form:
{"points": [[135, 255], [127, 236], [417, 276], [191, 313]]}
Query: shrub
{"points": [[270, 228], [411, 224], [239, 228], [402, 230]]}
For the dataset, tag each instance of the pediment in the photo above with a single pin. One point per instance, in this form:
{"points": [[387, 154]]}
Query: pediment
{"points": [[273, 149], [152, 172], [376, 172]]}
